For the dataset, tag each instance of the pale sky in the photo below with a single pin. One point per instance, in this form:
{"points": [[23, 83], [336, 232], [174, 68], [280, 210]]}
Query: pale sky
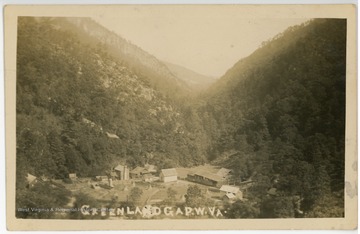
{"points": [[208, 40]]}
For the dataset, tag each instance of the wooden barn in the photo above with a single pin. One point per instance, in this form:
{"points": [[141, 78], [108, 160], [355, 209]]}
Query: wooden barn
{"points": [[206, 178]]}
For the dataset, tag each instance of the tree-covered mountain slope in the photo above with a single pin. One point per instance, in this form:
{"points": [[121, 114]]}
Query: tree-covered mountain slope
{"points": [[80, 109], [280, 113], [148, 66]]}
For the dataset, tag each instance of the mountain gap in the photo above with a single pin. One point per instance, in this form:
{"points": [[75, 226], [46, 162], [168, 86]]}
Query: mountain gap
{"points": [[88, 98]]}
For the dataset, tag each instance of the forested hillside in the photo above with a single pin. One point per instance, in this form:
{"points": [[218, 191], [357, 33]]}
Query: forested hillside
{"points": [[72, 96], [144, 64], [278, 117]]}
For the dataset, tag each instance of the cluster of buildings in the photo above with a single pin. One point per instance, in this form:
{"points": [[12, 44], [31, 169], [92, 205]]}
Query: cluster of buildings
{"points": [[150, 173], [220, 180]]}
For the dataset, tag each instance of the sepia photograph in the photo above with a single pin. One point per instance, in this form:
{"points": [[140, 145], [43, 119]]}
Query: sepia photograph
{"points": [[222, 114]]}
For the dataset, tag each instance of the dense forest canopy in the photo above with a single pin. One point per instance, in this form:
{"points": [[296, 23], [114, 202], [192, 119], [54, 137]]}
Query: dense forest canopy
{"points": [[70, 94], [281, 111], [276, 117]]}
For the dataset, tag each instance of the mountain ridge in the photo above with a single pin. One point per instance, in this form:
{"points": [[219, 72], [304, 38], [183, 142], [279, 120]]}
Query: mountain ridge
{"points": [[197, 81], [131, 55]]}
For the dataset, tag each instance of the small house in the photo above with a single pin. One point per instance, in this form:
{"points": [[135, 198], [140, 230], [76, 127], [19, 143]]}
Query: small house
{"points": [[101, 178], [147, 177], [232, 192], [122, 172], [168, 175], [72, 176], [149, 168], [137, 172], [31, 180], [150, 178], [229, 197]]}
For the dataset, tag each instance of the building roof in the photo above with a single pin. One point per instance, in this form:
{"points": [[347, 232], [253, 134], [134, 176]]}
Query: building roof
{"points": [[223, 172], [230, 195], [229, 189], [111, 135], [137, 170], [169, 172], [146, 176], [119, 167], [30, 178], [72, 175], [150, 168], [209, 176]]}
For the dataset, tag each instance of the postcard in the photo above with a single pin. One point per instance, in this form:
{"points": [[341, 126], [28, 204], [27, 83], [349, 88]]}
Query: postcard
{"points": [[180, 117]]}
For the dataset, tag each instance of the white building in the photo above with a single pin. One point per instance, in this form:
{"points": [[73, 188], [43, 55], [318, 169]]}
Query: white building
{"points": [[122, 172], [232, 192], [168, 175]]}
